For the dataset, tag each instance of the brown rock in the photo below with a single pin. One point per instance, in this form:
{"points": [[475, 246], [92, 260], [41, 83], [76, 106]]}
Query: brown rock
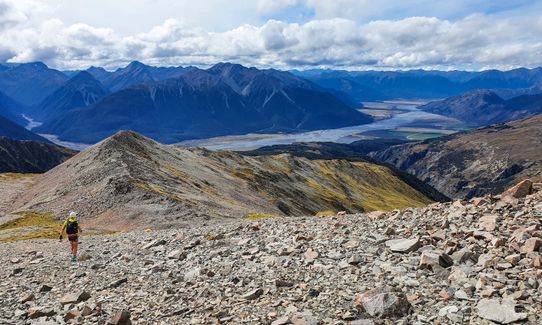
{"points": [[75, 297], [446, 295], [27, 297], [383, 303], [311, 254], [84, 257], [522, 189], [513, 259], [38, 312], [537, 262], [429, 259], [72, 314], [478, 201], [488, 222], [122, 317], [531, 245], [86, 311]]}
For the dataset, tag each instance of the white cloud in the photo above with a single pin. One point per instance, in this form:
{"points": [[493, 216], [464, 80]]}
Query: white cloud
{"points": [[267, 7], [476, 40]]}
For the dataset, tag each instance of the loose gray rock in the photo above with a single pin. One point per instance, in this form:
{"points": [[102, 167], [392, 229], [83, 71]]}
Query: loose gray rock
{"points": [[500, 312], [403, 245]]}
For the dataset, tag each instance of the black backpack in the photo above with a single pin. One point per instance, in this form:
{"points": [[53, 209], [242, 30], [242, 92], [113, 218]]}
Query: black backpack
{"points": [[71, 227]]}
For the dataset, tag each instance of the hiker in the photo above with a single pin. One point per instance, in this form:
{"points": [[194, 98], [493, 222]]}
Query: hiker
{"points": [[72, 230]]}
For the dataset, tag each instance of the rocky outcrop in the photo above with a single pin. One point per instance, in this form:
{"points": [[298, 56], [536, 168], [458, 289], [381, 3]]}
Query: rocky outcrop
{"points": [[475, 163]]}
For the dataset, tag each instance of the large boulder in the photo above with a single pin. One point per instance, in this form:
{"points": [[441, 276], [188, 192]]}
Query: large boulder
{"points": [[522, 189], [430, 259], [383, 303]]}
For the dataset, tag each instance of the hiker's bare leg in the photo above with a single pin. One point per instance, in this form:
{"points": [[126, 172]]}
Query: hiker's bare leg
{"points": [[73, 247]]}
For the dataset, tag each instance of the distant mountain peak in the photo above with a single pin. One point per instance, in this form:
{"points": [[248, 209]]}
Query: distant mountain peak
{"points": [[37, 65], [82, 77], [485, 95], [136, 65]]}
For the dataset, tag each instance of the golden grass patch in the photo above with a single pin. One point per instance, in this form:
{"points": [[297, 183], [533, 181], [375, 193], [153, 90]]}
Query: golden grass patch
{"points": [[256, 216], [15, 176]]}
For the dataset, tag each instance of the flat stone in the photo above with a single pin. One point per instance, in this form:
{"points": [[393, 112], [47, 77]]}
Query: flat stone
{"points": [[253, 294], [176, 254], [75, 297], [37, 312], [500, 312], [488, 222], [403, 245], [303, 319], [154, 243], [355, 259], [118, 283]]}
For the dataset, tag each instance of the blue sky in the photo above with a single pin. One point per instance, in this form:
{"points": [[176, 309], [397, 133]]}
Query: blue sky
{"points": [[345, 34]]}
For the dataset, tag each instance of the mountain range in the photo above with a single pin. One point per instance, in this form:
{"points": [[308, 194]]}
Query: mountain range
{"points": [[79, 91], [30, 83], [225, 99], [173, 104], [485, 107], [416, 84]]}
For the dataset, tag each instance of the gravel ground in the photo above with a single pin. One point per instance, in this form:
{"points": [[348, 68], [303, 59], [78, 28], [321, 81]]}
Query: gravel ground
{"points": [[464, 262]]}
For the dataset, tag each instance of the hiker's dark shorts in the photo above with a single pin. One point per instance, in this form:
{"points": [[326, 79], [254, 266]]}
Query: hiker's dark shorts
{"points": [[73, 238]]}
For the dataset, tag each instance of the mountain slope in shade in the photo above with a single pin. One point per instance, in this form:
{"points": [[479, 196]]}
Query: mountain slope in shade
{"points": [[11, 109], [136, 73], [484, 107], [224, 100], [10, 129], [17, 156], [80, 91], [416, 84], [482, 161], [131, 181], [30, 83]]}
